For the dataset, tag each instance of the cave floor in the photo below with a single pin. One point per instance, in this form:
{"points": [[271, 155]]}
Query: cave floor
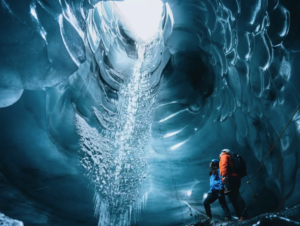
{"points": [[287, 217]]}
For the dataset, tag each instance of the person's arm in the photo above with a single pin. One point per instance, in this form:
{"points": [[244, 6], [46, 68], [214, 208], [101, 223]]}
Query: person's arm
{"points": [[224, 166], [219, 179]]}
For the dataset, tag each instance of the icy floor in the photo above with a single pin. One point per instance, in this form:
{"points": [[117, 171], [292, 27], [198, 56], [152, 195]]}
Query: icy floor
{"points": [[287, 217]]}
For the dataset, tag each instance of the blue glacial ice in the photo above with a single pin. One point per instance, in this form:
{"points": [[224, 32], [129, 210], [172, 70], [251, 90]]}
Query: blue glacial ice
{"points": [[6, 221], [101, 125]]}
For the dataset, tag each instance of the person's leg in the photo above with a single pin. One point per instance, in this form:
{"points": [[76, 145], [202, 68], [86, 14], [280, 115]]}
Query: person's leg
{"points": [[236, 198], [240, 200], [242, 206], [211, 197], [223, 204]]}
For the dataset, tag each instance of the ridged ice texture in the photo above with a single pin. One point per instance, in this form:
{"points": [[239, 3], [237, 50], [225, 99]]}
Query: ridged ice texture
{"points": [[50, 25], [115, 158], [232, 83]]}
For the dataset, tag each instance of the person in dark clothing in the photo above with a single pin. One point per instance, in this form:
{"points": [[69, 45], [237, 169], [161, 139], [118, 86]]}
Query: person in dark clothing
{"points": [[216, 191], [232, 184]]}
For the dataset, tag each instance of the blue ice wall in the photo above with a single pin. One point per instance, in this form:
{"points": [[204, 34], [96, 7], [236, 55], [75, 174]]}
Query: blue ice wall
{"points": [[225, 75], [232, 81]]}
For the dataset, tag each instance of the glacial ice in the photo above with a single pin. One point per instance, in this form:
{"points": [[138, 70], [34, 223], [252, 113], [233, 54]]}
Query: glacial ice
{"points": [[6, 221], [116, 158], [94, 121]]}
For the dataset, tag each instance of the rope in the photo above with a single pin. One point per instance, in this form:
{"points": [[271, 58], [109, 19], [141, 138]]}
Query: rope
{"points": [[271, 149], [254, 194], [275, 143]]}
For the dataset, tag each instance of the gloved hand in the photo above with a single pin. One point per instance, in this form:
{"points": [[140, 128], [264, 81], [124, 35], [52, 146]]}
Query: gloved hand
{"points": [[225, 182], [224, 179]]}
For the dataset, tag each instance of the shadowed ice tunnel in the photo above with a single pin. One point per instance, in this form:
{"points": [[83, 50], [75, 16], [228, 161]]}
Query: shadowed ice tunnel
{"points": [[104, 123]]}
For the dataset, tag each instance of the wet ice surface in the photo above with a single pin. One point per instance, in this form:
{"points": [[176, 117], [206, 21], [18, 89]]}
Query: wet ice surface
{"points": [[84, 113], [282, 218]]}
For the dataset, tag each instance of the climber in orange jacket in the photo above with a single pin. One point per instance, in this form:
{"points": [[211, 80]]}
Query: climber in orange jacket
{"points": [[232, 184], [226, 165]]}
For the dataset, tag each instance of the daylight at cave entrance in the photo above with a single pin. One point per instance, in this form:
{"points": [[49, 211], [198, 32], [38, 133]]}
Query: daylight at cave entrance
{"points": [[115, 113]]}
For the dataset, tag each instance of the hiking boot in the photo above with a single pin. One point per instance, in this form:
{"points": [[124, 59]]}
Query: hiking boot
{"points": [[244, 218]]}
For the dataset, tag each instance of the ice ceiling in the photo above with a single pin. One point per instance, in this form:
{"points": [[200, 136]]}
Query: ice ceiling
{"points": [[103, 122]]}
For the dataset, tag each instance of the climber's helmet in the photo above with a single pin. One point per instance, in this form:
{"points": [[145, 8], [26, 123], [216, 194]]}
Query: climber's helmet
{"points": [[214, 162], [225, 150]]}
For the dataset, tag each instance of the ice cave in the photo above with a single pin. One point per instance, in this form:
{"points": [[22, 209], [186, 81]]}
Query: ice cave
{"points": [[111, 111]]}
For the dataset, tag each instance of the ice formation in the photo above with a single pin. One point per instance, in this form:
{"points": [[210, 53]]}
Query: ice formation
{"points": [[6, 221], [96, 119], [116, 157]]}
